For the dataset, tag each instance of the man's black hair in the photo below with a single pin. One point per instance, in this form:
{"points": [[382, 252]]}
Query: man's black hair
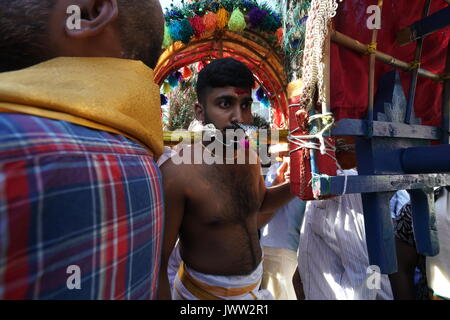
{"points": [[24, 35], [223, 73]]}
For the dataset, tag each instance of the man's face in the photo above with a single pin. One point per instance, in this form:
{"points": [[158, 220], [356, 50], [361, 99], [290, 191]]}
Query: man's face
{"points": [[226, 106]]}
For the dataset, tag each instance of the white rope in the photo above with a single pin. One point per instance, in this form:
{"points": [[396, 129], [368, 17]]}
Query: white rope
{"points": [[328, 122], [345, 179], [313, 69], [313, 66], [304, 142], [317, 176], [213, 132]]}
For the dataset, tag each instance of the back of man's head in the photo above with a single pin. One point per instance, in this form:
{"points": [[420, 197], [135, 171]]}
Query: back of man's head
{"points": [[32, 31], [223, 72]]}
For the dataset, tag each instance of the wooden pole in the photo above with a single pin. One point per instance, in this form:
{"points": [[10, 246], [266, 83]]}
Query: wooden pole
{"points": [[371, 92], [409, 114], [326, 105], [446, 104], [357, 46], [172, 138]]}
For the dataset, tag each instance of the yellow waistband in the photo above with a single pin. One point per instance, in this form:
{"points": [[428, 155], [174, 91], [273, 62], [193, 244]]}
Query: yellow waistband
{"points": [[204, 291]]}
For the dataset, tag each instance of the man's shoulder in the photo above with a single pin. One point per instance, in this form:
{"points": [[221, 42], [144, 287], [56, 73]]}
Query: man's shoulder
{"points": [[173, 167], [175, 177]]}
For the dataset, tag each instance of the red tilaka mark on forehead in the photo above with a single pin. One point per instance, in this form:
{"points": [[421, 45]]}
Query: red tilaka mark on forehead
{"points": [[240, 92]]}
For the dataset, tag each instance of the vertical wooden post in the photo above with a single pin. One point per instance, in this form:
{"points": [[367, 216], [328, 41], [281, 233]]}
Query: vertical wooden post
{"points": [[379, 231], [371, 92], [446, 103], [326, 105], [424, 221], [220, 48], [410, 115]]}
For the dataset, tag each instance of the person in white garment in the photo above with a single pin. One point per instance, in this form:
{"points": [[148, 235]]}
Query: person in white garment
{"points": [[438, 267], [280, 236], [332, 257]]}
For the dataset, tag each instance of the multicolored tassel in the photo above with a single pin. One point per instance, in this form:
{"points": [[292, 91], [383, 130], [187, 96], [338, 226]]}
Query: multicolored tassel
{"points": [[163, 99], [260, 94], [270, 23], [210, 21], [222, 18], [197, 25], [256, 17], [166, 87], [187, 72], [280, 36], [181, 30], [173, 80], [237, 21], [265, 102]]}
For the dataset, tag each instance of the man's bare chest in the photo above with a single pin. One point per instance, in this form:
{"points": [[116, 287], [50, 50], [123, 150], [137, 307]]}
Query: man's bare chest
{"points": [[223, 192]]}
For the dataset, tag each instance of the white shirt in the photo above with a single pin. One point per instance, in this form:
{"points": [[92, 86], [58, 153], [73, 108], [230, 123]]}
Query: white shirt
{"points": [[438, 267], [283, 230], [333, 260]]}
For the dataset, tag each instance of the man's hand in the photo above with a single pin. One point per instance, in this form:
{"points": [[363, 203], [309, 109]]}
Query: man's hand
{"points": [[279, 193], [283, 173]]}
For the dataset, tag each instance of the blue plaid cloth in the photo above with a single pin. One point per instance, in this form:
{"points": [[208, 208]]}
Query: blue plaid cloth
{"points": [[76, 204]]}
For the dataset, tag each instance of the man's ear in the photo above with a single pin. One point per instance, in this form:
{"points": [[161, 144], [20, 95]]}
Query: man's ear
{"points": [[96, 15], [199, 113]]}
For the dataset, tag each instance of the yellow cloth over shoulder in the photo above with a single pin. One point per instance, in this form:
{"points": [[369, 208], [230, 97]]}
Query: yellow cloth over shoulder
{"points": [[114, 95]]}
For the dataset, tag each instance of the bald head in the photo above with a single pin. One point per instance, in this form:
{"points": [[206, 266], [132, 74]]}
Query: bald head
{"points": [[33, 31]]}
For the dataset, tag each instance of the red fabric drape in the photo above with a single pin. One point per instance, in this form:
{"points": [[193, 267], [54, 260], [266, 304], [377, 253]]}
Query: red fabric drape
{"points": [[349, 70]]}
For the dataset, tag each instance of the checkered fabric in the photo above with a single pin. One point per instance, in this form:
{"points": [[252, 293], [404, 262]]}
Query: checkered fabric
{"points": [[76, 204]]}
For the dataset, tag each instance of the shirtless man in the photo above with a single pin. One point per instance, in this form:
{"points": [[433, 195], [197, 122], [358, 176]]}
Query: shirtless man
{"points": [[213, 208]]}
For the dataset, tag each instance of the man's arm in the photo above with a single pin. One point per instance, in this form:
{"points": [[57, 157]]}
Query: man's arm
{"points": [[276, 197], [174, 210], [282, 175], [263, 219], [279, 195]]}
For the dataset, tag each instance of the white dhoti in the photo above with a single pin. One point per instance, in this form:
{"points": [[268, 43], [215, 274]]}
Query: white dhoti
{"points": [[333, 261], [279, 268], [193, 285]]}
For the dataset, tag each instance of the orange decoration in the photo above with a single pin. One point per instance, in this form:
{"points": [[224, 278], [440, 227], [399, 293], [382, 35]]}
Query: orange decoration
{"points": [[280, 35], [222, 18], [187, 73], [210, 21]]}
